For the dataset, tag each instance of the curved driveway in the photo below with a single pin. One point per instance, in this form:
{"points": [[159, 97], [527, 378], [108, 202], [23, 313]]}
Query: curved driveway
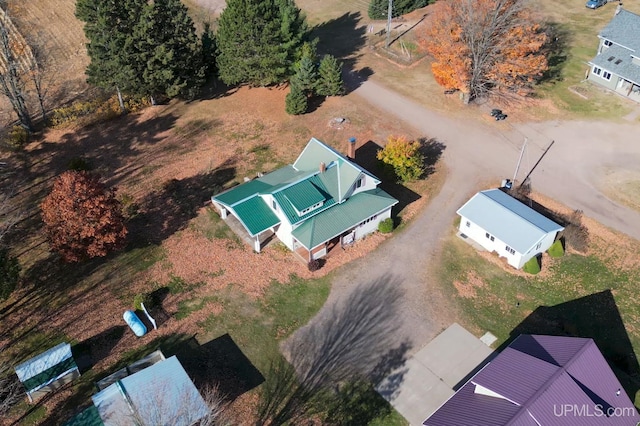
{"points": [[478, 153]]}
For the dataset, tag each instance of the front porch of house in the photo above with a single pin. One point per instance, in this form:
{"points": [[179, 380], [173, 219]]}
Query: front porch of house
{"points": [[258, 242], [628, 89], [323, 250]]}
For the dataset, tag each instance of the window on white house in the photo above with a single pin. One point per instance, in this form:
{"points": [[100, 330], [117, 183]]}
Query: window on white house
{"points": [[359, 182], [597, 71], [608, 43], [275, 206], [487, 235], [538, 246], [606, 75], [468, 224], [492, 239], [510, 250]]}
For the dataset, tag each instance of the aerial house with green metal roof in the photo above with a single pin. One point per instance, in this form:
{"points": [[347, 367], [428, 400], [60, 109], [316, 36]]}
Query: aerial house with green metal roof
{"points": [[321, 200]]}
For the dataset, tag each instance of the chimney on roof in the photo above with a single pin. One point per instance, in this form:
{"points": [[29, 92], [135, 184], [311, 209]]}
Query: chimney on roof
{"points": [[323, 167], [351, 149], [618, 8]]}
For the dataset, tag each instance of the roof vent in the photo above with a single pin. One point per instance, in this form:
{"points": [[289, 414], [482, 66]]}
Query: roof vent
{"points": [[618, 61], [611, 58]]}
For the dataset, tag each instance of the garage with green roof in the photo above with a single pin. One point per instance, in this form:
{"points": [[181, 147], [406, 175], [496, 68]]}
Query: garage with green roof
{"points": [[323, 199]]}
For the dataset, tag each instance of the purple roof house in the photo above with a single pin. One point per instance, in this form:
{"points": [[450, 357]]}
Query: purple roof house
{"points": [[539, 381]]}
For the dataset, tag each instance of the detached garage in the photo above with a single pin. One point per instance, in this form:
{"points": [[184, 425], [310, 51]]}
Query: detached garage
{"points": [[500, 223]]}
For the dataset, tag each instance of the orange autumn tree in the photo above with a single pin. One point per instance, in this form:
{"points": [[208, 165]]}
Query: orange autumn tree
{"points": [[82, 217], [485, 47]]}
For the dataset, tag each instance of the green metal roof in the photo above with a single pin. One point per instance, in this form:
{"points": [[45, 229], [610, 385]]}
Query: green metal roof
{"points": [[242, 192], [283, 175], [340, 218], [88, 417], [255, 215], [303, 195], [290, 212]]}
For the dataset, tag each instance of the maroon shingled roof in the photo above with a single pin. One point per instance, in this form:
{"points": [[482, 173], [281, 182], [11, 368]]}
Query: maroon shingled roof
{"points": [[541, 380]]}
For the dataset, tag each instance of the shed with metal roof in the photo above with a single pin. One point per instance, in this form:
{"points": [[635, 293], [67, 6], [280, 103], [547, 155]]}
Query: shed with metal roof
{"points": [[500, 223], [48, 371]]}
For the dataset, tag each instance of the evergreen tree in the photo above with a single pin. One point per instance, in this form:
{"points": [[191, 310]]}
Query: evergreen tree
{"points": [[330, 81], [296, 101], [109, 27], [257, 41], [208, 43], [9, 274], [306, 76], [169, 51]]}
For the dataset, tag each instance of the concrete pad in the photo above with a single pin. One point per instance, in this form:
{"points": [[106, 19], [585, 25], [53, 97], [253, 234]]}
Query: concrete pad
{"points": [[488, 339], [427, 380]]}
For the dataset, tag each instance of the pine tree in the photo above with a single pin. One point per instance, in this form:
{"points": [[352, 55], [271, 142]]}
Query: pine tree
{"points": [[306, 76], [296, 101], [169, 51], [208, 43], [330, 81], [258, 40], [109, 27]]}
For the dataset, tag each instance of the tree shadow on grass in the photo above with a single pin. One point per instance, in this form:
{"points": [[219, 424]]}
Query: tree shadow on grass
{"points": [[595, 316], [344, 37], [556, 48], [169, 209], [341, 353], [91, 351]]}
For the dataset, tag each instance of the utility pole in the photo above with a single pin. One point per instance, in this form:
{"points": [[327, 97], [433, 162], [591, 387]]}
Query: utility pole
{"points": [[519, 160], [538, 162], [389, 14]]}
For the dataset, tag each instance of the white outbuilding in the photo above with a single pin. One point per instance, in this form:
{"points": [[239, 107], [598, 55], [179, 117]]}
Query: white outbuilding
{"points": [[501, 223]]}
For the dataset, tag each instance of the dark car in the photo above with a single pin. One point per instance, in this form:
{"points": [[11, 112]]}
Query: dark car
{"points": [[594, 4]]}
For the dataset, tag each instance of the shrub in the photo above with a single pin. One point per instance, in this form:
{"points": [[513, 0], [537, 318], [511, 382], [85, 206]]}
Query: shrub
{"points": [[130, 208], [556, 249], [9, 274], [314, 265], [17, 138], [532, 266], [79, 164], [404, 157], [385, 226], [141, 298]]}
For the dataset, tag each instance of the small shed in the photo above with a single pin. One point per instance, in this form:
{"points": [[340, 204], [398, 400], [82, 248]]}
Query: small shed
{"points": [[48, 371], [500, 223]]}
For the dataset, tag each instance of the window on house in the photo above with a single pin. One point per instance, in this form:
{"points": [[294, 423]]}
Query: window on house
{"points": [[487, 235], [538, 246], [468, 224], [492, 239], [275, 206], [597, 71], [606, 75], [359, 182], [510, 250], [607, 43]]}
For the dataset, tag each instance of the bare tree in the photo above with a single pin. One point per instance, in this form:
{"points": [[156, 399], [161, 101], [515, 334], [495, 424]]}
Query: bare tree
{"points": [[12, 66], [162, 405], [10, 389]]}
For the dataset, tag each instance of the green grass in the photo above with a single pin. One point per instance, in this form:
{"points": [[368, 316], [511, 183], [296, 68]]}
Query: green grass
{"points": [[187, 307], [532, 266], [556, 249], [214, 228], [141, 259], [572, 298], [258, 325]]}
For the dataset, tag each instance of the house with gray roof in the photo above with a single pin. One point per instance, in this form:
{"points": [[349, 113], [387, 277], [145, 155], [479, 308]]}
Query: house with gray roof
{"points": [[321, 200], [617, 64], [500, 223], [540, 381]]}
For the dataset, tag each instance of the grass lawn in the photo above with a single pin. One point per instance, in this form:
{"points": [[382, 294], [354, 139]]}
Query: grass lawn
{"points": [[588, 296]]}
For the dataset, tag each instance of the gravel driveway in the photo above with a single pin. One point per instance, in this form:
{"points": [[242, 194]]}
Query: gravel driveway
{"points": [[477, 153]]}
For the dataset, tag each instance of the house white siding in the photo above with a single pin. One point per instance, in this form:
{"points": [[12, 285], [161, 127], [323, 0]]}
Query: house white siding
{"points": [[490, 242], [371, 225], [284, 234]]}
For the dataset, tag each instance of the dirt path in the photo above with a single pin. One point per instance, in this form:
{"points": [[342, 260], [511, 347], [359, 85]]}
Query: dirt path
{"points": [[482, 153]]}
